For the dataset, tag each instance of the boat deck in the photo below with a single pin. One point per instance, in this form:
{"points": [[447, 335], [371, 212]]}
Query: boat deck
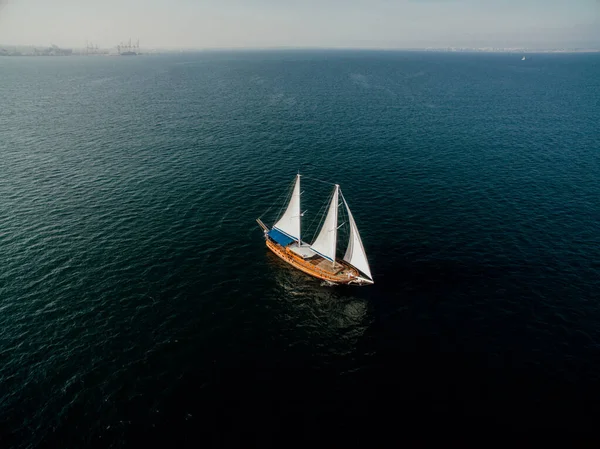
{"points": [[305, 251], [326, 265], [316, 265]]}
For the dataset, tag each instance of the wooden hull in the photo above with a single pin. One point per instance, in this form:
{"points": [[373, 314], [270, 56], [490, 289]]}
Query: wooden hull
{"points": [[342, 274]]}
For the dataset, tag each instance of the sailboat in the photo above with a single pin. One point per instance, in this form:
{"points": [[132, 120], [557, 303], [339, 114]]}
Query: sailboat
{"points": [[318, 258]]}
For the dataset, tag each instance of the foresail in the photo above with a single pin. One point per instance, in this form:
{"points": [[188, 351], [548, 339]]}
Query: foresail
{"points": [[325, 243], [355, 254], [289, 223]]}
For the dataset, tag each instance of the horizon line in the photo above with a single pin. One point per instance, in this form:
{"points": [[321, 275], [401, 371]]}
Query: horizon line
{"points": [[487, 48]]}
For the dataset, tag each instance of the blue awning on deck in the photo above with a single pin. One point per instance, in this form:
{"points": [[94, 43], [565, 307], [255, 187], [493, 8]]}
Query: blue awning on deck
{"points": [[280, 237]]}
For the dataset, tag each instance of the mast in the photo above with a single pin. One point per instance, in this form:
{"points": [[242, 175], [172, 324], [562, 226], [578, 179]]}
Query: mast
{"points": [[334, 205], [299, 210], [326, 242]]}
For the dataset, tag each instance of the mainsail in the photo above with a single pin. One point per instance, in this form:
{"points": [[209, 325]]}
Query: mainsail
{"points": [[325, 244], [289, 223], [355, 254]]}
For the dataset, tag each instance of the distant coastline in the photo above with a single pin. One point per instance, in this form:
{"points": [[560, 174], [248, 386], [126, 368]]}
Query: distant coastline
{"points": [[53, 50], [514, 50]]}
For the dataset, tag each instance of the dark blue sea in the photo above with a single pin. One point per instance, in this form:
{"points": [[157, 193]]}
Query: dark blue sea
{"points": [[140, 306]]}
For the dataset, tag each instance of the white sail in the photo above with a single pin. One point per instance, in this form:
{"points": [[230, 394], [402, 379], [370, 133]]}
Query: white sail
{"points": [[355, 254], [289, 223], [325, 243]]}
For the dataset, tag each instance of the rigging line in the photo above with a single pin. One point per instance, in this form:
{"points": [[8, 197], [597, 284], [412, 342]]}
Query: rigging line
{"points": [[320, 215], [323, 216], [320, 180], [346, 230], [344, 235], [287, 201], [285, 195]]}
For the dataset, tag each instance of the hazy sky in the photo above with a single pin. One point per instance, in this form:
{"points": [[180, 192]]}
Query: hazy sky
{"points": [[302, 23]]}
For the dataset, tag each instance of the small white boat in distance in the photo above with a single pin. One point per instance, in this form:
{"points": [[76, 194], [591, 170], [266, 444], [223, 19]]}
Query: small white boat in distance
{"points": [[523, 58]]}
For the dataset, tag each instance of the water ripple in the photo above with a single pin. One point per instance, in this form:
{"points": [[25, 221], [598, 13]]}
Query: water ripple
{"points": [[135, 287]]}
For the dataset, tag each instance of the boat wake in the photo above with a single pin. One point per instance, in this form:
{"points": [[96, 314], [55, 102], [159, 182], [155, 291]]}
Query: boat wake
{"points": [[328, 284]]}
